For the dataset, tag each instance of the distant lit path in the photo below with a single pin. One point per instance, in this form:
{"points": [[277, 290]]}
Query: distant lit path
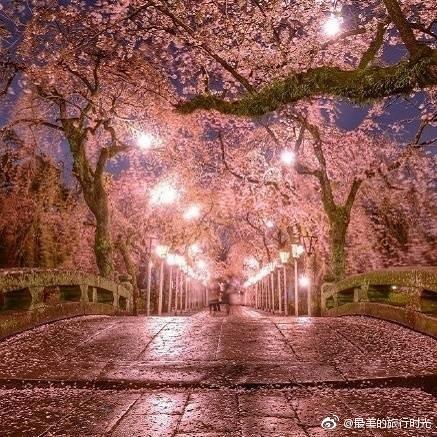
{"points": [[247, 375]]}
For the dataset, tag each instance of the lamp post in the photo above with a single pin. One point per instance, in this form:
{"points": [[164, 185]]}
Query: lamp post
{"points": [[170, 288], [176, 296], [149, 285], [162, 252], [309, 242], [186, 291], [149, 275], [279, 290], [284, 255], [296, 251]]}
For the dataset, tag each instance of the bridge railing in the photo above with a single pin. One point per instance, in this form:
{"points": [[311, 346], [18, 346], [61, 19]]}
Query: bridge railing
{"points": [[406, 295], [30, 297]]}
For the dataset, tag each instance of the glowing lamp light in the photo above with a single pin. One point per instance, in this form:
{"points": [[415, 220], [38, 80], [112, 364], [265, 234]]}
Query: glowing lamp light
{"points": [[287, 157], [180, 260], [251, 262], [201, 265], [164, 194], [192, 212], [162, 250], [145, 140], [297, 250], [270, 224], [172, 259], [332, 25], [304, 281], [284, 255], [194, 249]]}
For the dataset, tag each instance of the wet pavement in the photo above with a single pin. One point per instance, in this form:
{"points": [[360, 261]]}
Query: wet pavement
{"points": [[248, 375]]}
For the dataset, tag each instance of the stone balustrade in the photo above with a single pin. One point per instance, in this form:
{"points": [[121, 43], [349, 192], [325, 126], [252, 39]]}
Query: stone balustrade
{"points": [[31, 297], [406, 295]]}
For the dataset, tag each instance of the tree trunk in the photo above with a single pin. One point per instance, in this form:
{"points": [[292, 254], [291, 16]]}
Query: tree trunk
{"points": [[337, 239], [131, 270], [103, 243], [95, 196]]}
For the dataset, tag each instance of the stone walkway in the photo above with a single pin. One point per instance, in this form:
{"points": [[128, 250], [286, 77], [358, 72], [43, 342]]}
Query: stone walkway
{"points": [[246, 376]]}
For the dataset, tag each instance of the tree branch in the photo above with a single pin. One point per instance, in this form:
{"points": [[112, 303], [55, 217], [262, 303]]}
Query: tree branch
{"points": [[359, 85], [260, 232], [405, 31], [356, 184], [252, 180], [369, 55], [8, 69], [228, 67], [36, 122]]}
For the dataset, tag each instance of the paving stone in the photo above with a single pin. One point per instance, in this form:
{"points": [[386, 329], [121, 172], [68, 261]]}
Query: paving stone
{"points": [[155, 425], [237, 373], [271, 427], [265, 404]]}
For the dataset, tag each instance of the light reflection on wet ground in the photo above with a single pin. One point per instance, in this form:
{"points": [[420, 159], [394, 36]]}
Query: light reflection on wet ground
{"points": [[250, 375]]}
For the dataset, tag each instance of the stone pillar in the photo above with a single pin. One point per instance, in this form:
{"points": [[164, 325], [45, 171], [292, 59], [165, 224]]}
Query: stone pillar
{"points": [[115, 301], [37, 294], [95, 295], [326, 289], [84, 293], [356, 295], [363, 295]]}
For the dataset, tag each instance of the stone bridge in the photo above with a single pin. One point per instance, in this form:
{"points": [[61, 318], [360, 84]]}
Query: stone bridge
{"points": [[31, 297], [406, 295], [251, 374]]}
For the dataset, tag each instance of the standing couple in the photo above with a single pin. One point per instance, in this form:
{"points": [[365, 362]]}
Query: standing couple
{"points": [[229, 293]]}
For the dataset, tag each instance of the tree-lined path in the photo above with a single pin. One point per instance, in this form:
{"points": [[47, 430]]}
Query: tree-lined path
{"points": [[247, 375]]}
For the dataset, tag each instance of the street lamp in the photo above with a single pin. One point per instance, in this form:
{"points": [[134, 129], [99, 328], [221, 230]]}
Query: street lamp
{"points": [[162, 250], [284, 256], [304, 281], [269, 224], [332, 25], [194, 249], [145, 140], [288, 157], [164, 194], [296, 251], [309, 242], [251, 263], [193, 212], [201, 264]]}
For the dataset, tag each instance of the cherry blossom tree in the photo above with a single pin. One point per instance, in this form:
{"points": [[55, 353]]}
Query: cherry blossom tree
{"points": [[42, 219], [89, 94], [98, 80]]}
